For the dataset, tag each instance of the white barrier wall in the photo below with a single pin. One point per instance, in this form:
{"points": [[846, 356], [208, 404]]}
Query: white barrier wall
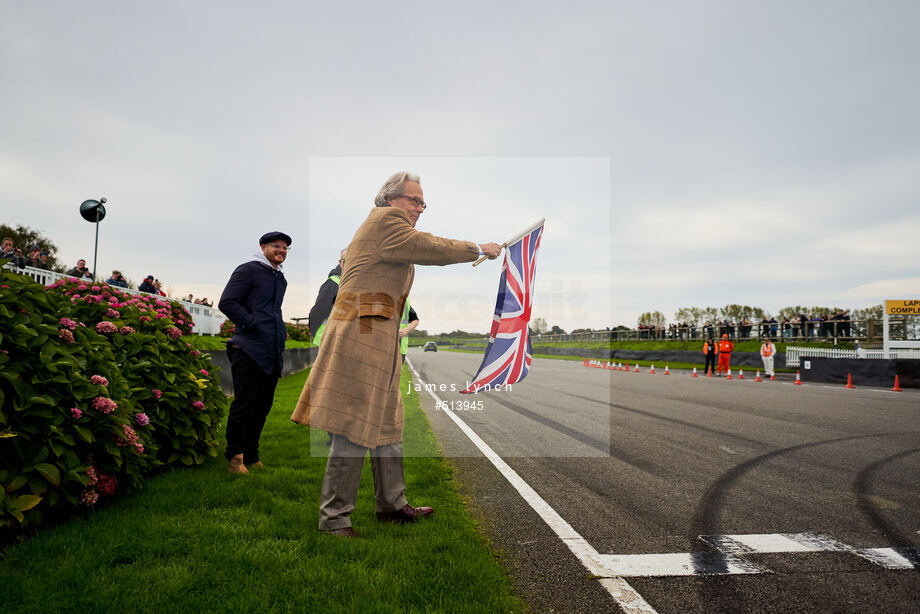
{"points": [[206, 320]]}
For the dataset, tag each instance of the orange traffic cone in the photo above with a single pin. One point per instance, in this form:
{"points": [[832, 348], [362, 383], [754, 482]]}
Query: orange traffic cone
{"points": [[798, 379], [729, 374], [637, 367], [584, 363], [849, 382], [694, 373], [709, 373], [666, 372], [772, 377], [897, 384], [757, 379], [652, 370], [740, 373]]}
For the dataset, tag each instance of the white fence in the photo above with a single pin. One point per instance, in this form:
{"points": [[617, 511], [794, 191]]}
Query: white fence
{"points": [[207, 320], [793, 354]]}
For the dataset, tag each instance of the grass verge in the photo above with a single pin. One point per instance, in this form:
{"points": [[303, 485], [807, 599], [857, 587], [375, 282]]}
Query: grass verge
{"points": [[203, 343], [204, 540]]}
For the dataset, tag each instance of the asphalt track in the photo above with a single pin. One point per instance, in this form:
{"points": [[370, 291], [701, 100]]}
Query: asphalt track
{"points": [[816, 485]]}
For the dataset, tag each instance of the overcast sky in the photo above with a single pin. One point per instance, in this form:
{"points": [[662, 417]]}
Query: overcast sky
{"points": [[682, 153]]}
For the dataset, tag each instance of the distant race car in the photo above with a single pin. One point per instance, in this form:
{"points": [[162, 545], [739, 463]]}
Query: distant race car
{"points": [[431, 346]]}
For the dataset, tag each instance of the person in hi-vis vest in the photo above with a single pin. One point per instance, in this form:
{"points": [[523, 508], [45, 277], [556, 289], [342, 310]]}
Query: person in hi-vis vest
{"points": [[324, 301], [725, 354], [767, 353], [407, 324], [709, 350]]}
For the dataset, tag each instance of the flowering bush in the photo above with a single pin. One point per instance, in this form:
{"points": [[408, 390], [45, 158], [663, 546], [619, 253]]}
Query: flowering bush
{"points": [[95, 392], [297, 332], [227, 329]]}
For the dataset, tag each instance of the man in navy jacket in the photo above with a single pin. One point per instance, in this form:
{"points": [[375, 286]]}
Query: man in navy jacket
{"points": [[252, 300]]}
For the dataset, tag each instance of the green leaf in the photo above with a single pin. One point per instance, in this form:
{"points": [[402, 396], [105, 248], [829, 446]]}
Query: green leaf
{"points": [[50, 473], [18, 482], [84, 433], [23, 503]]}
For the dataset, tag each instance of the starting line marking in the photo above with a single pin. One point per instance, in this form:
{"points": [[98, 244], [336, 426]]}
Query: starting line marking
{"points": [[730, 549]]}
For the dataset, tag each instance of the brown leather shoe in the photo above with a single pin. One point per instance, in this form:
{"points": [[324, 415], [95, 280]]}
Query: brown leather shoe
{"points": [[406, 514], [236, 465], [344, 532]]}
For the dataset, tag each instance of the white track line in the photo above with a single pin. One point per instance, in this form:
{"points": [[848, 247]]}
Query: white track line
{"points": [[626, 596]]}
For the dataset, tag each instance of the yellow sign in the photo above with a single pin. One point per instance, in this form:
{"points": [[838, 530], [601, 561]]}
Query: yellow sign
{"points": [[903, 308]]}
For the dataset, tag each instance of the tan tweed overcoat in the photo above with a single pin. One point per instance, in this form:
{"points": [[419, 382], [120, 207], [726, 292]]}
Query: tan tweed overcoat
{"points": [[353, 388]]}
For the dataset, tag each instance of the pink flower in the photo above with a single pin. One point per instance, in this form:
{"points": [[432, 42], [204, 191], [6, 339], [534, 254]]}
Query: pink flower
{"points": [[68, 323], [95, 288], [138, 448], [145, 319], [203, 372], [74, 297], [198, 405], [173, 332], [126, 330], [89, 497], [4, 286], [157, 393], [106, 327], [106, 484], [105, 405], [82, 287], [76, 412], [142, 419], [99, 380], [160, 315], [196, 353], [93, 475], [66, 335], [111, 313]]}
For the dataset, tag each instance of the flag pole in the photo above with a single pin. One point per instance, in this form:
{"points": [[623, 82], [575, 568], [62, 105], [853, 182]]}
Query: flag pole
{"points": [[517, 237]]}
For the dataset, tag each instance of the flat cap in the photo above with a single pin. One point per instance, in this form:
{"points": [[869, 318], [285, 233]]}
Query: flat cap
{"points": [[268, 237]]}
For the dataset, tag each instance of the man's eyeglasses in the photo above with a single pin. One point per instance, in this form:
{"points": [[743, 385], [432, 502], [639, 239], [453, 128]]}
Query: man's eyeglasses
{"points": [[418, 202], [280, 246]]}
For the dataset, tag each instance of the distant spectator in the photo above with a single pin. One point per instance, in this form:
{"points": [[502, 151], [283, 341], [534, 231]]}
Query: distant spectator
{"points": [[206, 302], [117, 280], [147, 285], [43, 256], [34, 260], [197, 301], [190, 299], [156, 288], [11, 253], [80, 270]]}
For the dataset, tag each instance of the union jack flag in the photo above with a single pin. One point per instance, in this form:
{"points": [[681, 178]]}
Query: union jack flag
{"points": [[508, 355]]}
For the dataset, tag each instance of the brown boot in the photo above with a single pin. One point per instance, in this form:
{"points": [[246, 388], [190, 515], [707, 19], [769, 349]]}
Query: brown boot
{"points": [[257, 464], [236, 465]]}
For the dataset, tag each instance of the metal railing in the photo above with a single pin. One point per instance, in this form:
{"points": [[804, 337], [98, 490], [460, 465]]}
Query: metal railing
{"points": [[206, 320], [828, 330], [793, 354]]}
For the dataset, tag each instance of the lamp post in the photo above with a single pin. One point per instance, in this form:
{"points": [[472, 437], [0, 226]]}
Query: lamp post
{"points": [[93, 211]]}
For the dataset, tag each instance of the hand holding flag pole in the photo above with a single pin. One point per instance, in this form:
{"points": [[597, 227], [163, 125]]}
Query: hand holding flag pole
{"points": [[516, 237]]}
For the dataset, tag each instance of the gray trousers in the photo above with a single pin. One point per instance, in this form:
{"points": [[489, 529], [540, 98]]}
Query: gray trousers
{"points": [[343, 474]]}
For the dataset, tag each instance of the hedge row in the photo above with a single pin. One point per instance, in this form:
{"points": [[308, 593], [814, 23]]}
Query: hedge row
{"points": [[96, 390]]}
